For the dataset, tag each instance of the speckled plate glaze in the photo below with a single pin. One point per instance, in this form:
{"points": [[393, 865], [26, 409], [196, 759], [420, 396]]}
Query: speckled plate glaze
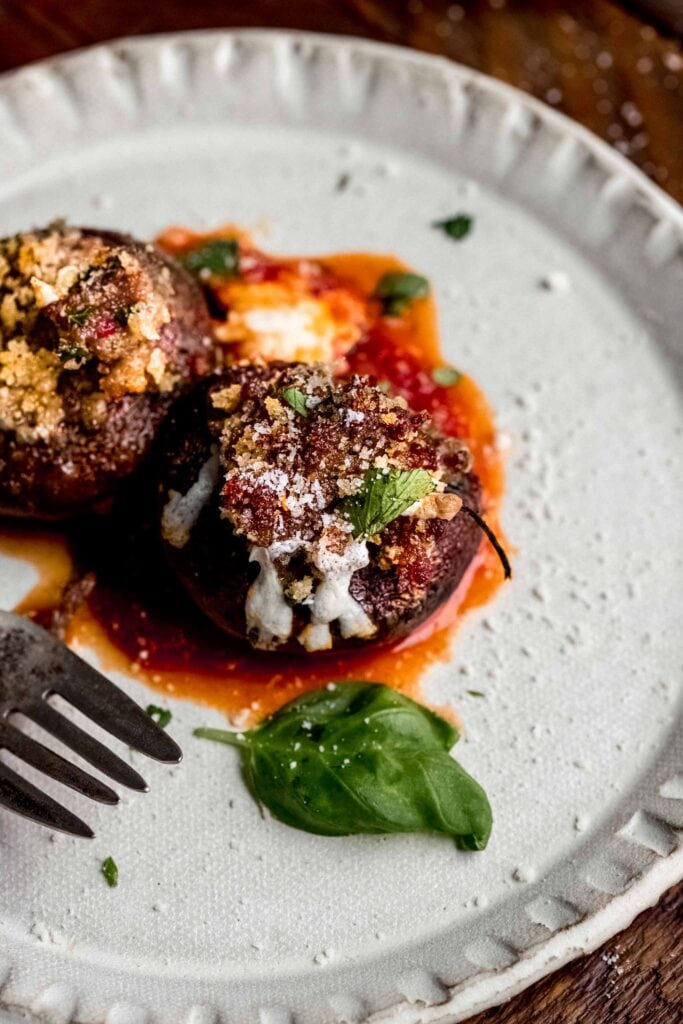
{"points": [[565, 303]]}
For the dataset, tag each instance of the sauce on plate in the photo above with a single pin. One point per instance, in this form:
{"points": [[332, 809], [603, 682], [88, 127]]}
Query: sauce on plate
{"points": [[135, 616]]}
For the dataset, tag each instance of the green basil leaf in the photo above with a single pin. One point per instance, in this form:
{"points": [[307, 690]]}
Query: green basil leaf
{"points": [[122, 315], [397, 290], [297, 400], [80, 316], [385, 495], [220, 256], [343, 182], [361, 758], [445, 376], [162, 716], [456, 227], [72, 354], [110, 872]]}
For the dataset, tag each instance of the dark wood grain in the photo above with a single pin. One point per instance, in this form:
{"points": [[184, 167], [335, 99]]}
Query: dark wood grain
{"points": [[593, 59], [634, 979], [607, 68]]}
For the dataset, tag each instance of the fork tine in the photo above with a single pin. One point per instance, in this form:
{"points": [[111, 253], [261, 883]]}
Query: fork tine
{"points": [[112, 709], [54, 765], [16, 794], [91, 749], [33, 663], [93, 694]]}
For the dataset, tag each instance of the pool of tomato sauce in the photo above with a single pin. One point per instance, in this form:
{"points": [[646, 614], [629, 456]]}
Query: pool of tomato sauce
{"points": [[137, 619]]}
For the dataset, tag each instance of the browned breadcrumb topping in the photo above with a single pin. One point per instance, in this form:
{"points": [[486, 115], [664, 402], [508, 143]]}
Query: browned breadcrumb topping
{"points": [[287, 471], [300, 590], [226, 398], [72, 302], [29, 403], [438, 506]]}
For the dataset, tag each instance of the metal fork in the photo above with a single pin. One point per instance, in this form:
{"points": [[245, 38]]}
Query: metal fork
{"points": [[34, 665]]}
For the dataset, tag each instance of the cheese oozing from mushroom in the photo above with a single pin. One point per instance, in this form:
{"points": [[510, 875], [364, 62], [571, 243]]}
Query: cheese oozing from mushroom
{"points": [[267, 612], [270, 618], [182, 511], [332, 600]]}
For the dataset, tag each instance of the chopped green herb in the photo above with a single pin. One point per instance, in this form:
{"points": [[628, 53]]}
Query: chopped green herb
{"points": [[476, 693], [445, 376], [397, 290], [456, 227], [80, 316], [72, 354], [121, 316], [219, 257], [343, 182], [297, 400], [385, 495], [110, 872], [358, 758], [162, 716]]}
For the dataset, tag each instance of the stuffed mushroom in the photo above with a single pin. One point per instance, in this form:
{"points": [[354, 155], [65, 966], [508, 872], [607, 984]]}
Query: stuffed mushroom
{"points": [[303, 512], [98, 335]]}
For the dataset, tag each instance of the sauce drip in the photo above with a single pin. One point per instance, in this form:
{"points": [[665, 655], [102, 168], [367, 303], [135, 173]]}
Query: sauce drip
{"points": [[137, 619], [48, 552]]}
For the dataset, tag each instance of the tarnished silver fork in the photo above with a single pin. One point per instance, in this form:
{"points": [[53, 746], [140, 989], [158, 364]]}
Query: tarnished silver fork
{"points": [[34, 665]]}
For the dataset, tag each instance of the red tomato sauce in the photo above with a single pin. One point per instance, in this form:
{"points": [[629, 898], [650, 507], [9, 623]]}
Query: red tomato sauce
{"points": [[138, 620]]}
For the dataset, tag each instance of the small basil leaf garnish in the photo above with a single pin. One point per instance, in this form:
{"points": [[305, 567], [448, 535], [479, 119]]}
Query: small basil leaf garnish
{"points": [[456, 227], [297, 400], [72, 354], [162, 716], [445, 376], [384, 495], [397, 290], [361, 758], [219, 257], [80, 317], [122, 315], [111, 872]]}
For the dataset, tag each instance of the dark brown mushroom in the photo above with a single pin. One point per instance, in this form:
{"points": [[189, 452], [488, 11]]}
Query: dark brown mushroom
{"points": [[260, 470], [99, 334]]}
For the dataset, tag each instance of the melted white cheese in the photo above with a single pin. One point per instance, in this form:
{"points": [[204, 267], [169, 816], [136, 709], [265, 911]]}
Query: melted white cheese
{"points": [[267, 612], [271, 618], [301, 330], [182, 511], [332, 601]]}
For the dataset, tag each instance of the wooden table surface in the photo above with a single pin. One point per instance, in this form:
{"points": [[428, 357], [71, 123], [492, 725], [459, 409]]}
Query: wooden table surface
{"points": [[604, 65]]}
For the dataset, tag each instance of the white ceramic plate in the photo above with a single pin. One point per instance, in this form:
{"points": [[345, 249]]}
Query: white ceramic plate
{"points": [[565, 303]]}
